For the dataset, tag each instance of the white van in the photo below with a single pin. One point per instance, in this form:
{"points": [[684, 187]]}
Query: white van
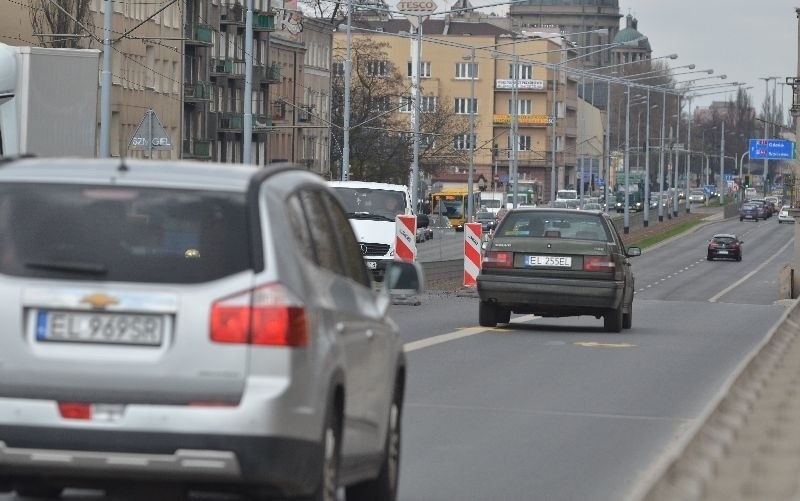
{"points": [[372, 208]]}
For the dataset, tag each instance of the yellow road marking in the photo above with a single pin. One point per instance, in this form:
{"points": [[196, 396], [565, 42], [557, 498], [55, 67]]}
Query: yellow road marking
{"points": [[594, 344]]}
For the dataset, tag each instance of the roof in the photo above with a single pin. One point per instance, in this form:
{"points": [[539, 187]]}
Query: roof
{"points": [[630, 33], [434, 27], [356, 185]]}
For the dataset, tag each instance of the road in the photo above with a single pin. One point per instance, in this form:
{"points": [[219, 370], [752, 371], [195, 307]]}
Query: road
{"points": [[558, 409]]}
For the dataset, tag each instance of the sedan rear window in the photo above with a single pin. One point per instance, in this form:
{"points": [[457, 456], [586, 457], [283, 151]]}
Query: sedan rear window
{"points": [[554, 225], [131, 234]]}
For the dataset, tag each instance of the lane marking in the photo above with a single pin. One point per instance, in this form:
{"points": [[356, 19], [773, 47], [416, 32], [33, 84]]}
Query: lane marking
{"points": [[460, 333], [595, 344], [739, 282]]}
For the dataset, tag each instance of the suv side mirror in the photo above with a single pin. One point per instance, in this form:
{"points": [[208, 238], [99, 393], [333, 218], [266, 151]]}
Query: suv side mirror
{"points": [[403, 278], [423, 221], [634, 251]]}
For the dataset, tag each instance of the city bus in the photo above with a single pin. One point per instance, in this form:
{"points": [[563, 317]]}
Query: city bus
{"points": [[452, 203]]}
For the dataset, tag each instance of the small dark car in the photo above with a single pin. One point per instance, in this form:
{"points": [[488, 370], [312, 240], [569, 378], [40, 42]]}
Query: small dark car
{"points": [[557, 263], [725, 246], [487, 219], [750, 211]]}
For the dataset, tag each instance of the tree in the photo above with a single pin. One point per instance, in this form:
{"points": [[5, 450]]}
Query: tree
{"points": [[380, 135], [62, 18]]}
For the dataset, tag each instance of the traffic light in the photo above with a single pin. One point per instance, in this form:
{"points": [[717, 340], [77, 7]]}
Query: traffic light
{"points": [[746, 181]]}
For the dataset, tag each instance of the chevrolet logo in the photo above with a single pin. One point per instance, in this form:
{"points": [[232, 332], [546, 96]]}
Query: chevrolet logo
{"points": [[99, 301]]}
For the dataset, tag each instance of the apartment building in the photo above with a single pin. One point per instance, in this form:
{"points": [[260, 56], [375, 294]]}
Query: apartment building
{"points": [[448, 74], [186, 61]]}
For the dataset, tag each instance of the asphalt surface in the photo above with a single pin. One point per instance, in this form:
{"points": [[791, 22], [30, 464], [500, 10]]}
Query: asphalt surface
{"points": [[558, 409], [748, 445]]}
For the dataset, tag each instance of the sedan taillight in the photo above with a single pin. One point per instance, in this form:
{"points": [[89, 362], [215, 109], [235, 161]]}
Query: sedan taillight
{"points": [[495, 259], [269, 315], [598, 263]]}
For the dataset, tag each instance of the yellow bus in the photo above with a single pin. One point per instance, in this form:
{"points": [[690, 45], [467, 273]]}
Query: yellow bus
{"points": [[452, 203]]}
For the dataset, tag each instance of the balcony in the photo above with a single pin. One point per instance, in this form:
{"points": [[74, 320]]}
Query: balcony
{"points": [[304, 114], [230, 122], [264, 22], [227, 67], [272, 74], [261, 122], [196, 92], [197, 148], [199, 35], [231, 14]]}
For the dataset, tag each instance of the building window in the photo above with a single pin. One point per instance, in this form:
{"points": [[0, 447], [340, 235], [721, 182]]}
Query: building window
{"points": [[462, 106], [378, 68], [338, 68], [464, 142], [524, 106], [523, 143], [424, 69], [524, 71], [427, 104], [467, 70], [381, 103]]}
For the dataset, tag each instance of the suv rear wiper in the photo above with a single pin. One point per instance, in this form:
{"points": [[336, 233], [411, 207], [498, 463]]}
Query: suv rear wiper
{"points": [[70, 266], [368, 215]]}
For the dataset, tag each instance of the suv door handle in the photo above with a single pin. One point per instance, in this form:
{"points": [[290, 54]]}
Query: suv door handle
{"points": [[370, 333], [339, 327]]}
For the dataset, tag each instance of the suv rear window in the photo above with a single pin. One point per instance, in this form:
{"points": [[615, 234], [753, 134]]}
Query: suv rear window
{"points": [[130, 234]]}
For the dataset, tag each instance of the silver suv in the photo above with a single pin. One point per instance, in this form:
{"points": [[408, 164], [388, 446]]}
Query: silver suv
{"points": [[204, 326]]}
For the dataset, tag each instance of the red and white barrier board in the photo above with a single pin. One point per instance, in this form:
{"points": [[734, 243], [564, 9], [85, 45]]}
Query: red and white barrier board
{"points": [[472, 253], [405, 238]]}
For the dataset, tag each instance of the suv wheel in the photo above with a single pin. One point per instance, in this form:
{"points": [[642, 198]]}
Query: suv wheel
{"points": [[612, 320], [487, 314], [384, 487], [328, 484]]}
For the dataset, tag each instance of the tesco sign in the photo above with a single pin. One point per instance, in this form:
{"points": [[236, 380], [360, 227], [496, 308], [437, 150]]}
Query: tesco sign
{"points": [[415, 8]]}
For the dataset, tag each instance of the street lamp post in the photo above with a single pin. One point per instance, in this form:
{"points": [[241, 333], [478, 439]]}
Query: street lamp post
{"points": [[688, 158], [626, 220], [661, 157], [473, 76], [647, 165], [676, 168], [722, 165]]}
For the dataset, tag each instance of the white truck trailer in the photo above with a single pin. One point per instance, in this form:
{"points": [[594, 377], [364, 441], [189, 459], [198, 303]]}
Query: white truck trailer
{"points": [[48, 101]]}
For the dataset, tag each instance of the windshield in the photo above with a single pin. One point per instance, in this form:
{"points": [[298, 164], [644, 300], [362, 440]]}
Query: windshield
{"points": [[452, 208], [492, 204], [367, 201]]}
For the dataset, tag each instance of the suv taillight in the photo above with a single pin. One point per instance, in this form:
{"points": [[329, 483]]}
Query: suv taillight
{"points": [[494, 259], [268, 315], [598, 263]]}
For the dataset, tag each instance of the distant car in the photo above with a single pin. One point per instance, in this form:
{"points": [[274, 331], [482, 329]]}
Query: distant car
{"points": [[774, 201], [592, 206], [724, 245], [557, 263], [750, 211], [697, 196], [487, 219], [783, 215]]}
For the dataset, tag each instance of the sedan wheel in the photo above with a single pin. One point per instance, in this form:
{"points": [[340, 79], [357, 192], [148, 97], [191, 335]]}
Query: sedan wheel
{"points": [[612, 320], [487, 314], [329, 476], [503, 316]]}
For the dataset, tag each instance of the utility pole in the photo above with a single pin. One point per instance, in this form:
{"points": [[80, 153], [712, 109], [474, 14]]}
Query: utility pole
{"points": [[105, 96]]}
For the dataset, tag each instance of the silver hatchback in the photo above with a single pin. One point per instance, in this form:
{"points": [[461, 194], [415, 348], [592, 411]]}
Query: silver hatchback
{"points": [[203, 326]]}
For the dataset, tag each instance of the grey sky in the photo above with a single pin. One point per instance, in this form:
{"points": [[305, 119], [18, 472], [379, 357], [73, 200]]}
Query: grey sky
{"points": [[743, 39]]}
